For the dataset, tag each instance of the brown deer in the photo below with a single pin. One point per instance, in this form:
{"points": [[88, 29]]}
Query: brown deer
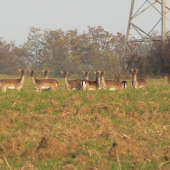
{"points": [[86, 74], [43, 84], [71, 84], [16, 84], [46, 73], [137, 83], [92, 85], [118, 76], [111, 84]]}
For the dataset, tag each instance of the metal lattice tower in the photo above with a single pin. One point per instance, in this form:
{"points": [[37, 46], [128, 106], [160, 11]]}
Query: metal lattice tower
{"points": [[146, 36]]}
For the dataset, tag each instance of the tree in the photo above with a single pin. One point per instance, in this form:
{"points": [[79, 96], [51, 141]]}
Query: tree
{"points": [[8, 61], [35, 46]]}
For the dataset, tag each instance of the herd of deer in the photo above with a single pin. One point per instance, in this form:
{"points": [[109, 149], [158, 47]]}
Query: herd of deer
{"points": [[99, 83]]}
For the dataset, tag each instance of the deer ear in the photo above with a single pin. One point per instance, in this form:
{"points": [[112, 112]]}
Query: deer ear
{"points": [[62, 72], [83, 71], [43, 71], [48, 71], [19, 70]]}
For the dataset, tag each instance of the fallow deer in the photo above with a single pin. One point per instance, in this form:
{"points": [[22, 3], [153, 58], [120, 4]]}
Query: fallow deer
{"points": [[46, 73], [118, 76], [137, 83], [111, 85], [16, 84], [43, 84], [71, 84], [92, 85], [86, 74]]}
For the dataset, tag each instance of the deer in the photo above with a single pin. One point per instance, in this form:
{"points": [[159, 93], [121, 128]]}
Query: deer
{"points": [[46, 73], [71, 84], [118, 76], [111, 84], [137, 83], [16, 84], [92, 85], [43, 84], [86, 74]]}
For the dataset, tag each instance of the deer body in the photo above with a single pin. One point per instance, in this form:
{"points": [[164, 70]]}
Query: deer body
{"points": [[118, 77], [16, 84], [137, 83], [92, 85], [109, 84], [42, 84], [71, 84]]}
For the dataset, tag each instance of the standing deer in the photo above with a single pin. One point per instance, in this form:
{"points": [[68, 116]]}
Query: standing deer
{"points": [[43, 84], [111, 85], [92, 85], [46, 73], [16, 84], [86, 74], [137, 83], [118, 76], [71, 84]]}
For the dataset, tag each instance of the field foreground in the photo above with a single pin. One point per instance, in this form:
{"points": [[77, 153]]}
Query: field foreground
{"points": [[86, 130]]}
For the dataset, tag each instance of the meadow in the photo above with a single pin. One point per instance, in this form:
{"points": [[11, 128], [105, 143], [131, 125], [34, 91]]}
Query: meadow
{"points": [[85, 130]]}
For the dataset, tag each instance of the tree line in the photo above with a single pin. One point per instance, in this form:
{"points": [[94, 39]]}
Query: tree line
{"points": [[97, 49]]}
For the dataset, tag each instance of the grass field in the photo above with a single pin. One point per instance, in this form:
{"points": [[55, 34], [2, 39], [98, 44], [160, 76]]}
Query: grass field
{"points": [[79, 130]]}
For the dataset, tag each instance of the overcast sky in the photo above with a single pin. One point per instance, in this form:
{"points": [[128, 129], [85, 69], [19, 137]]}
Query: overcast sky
{"points": [[17, 16]]}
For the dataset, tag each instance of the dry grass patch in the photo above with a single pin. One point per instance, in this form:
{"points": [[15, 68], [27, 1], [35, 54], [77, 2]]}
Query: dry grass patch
{"points": [[86, 130]]}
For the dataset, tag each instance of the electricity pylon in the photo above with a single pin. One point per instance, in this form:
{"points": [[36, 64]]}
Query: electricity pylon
{"points": [[146, 36]]}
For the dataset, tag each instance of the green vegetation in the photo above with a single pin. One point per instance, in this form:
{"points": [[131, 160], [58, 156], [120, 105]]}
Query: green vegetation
{"points": [[86, 129]]}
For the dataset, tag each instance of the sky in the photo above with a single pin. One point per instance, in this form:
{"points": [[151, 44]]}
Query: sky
{"points": [[18, 16]]}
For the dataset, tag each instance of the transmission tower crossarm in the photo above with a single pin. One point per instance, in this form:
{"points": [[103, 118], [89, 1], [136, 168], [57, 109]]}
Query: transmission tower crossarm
{"points": [[137, 14], [137, 28]]}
